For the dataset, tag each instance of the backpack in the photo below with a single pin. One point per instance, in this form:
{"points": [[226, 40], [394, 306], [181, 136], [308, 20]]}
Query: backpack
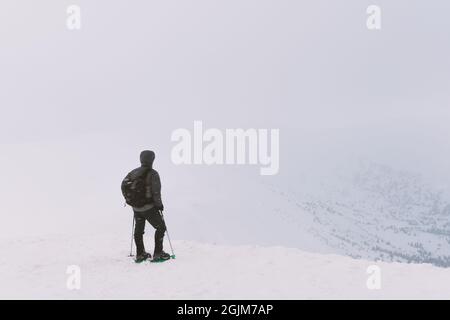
{"points": [[134, 188]]}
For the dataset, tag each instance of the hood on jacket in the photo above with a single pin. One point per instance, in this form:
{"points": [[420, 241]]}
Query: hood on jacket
{"points": [[147, 157]]}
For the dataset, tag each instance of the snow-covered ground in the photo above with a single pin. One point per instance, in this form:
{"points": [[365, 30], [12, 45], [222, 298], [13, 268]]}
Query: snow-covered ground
{"points": [[35, 268]]}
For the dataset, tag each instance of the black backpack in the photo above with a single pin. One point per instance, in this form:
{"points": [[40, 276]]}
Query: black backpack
{"points": [[134, 188]]}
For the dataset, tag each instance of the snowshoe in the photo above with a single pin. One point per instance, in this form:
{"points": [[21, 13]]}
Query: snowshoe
{"points": [[142, 257], [161, 257]]}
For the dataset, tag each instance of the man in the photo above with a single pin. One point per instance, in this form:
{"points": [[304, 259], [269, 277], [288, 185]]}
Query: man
{"points": [[148, 207]]}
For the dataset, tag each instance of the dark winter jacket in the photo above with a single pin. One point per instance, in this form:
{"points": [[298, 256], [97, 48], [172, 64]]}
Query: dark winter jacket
{"points": [[153, 182]]}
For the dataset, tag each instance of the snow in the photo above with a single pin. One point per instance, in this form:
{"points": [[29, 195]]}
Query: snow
{"points": [[35, 268]]}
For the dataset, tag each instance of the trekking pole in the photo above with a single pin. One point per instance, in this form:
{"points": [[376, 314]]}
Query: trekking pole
{"points": [[132, 235], [168, 237]]}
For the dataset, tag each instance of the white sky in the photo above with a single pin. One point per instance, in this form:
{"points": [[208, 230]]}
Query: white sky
{"points": [[88, 101]]}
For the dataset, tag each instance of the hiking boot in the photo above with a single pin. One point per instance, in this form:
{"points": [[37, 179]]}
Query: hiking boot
{"points": [[161, 256], [142, 257]]}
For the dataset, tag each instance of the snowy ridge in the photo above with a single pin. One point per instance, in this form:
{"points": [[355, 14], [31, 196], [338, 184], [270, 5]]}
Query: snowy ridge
{"points": [[36, 269], [378, 213]]}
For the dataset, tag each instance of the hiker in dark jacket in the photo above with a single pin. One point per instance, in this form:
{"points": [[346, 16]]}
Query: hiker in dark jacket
{"points": [[150, 211]]}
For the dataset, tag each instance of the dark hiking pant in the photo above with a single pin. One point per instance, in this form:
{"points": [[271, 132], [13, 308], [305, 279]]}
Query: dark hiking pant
{"points": [[154, 218]]}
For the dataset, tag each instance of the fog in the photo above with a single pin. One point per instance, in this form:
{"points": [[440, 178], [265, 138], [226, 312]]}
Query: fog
{"points": [[77, 107]]}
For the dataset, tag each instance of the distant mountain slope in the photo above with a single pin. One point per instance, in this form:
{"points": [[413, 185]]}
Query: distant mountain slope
{"points": [[376, 212]]}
